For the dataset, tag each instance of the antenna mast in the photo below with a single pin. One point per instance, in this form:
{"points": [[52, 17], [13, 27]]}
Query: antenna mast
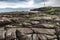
{"points": [[44, 3]]}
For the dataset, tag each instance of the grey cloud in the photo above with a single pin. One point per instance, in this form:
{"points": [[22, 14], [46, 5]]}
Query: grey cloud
{"points": [[39, 1], [13, 0]]}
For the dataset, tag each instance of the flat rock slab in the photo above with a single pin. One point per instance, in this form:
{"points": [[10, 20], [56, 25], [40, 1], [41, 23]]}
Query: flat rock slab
{"points": [[39, 30]]}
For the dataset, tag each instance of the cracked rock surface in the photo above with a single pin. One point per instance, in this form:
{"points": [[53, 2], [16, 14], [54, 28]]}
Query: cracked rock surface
{"points": [[29, 26]]}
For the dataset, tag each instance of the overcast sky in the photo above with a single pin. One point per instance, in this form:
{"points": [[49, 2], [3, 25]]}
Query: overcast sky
{"points": [[27, 3]]}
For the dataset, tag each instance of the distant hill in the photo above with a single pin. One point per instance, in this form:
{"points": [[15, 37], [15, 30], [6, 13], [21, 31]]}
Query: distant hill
{"points": [[13, 9], [45, 9]]}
